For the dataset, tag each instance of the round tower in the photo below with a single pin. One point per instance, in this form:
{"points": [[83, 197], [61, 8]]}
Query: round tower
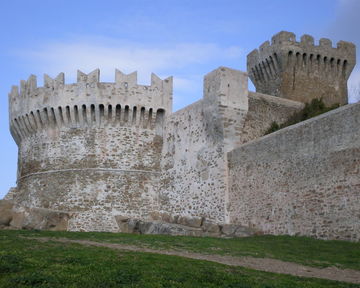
{"points": [[90, 148], [302, 71]]}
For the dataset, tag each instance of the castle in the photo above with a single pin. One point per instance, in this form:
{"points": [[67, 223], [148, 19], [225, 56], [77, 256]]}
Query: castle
{"points": [[97, 156]]}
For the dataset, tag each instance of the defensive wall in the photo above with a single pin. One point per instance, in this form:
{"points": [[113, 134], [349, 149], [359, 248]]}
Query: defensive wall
{"points": [[96, 156], [91, 149], [301, 180], [197, 138]]}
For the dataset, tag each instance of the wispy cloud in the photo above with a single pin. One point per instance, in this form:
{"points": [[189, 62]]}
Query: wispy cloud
{"points": [[346, 27], [184, 61], [107, 54], [354, 86]]}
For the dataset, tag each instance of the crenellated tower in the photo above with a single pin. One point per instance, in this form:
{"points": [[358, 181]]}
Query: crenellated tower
{"points": [[302, 71], [90, 147]]}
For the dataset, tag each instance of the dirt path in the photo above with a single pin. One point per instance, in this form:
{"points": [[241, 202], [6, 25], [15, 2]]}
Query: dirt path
{"points": [[263, 264]]}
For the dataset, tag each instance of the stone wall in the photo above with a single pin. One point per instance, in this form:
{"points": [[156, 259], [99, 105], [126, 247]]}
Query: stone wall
{"points": [[196, 138], [92, 149], [304, 179], [86, 171], [263, 111], [193, 178]]}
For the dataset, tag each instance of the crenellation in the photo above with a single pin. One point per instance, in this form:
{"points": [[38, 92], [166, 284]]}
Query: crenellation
{"points": [[125, 80], [307, 40], [325, 43], [87, 101], [303, 71], [283, 37], [54, 83], [92, 77]]}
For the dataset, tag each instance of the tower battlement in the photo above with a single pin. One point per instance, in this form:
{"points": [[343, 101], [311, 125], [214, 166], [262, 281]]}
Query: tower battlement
{"points": [[302, 71], [87, 102]]}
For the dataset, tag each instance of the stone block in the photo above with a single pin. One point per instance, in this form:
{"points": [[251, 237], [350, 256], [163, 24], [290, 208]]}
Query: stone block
{"points": [[233, 230], [210, 227], [190, 221], [129, 226], [158, 227], [121, 219], [17, 220], [5, 212]]}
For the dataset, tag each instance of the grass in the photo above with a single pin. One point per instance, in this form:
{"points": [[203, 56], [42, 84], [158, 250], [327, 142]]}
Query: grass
{"points": [[315, 108], [302, 250], [29, 263]]}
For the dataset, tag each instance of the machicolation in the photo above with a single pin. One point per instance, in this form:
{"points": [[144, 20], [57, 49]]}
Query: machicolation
{"points": [[97, 156], [302, 71]]}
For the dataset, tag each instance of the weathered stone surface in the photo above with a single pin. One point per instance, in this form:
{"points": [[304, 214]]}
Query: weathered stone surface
{"points": [[190, 221], [210, 227], [121, 219], [233, 230], [39, 218], [18, 220], [6, 213], [304, 179], [158, 227], [302, 71]]}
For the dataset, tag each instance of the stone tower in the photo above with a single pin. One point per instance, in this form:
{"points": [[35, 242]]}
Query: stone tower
{"points": [[90, 147], [302, 71]]}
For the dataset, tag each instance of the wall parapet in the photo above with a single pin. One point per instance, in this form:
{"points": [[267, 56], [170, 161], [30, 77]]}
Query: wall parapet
{"points": [[88, 102], [89, 90]]}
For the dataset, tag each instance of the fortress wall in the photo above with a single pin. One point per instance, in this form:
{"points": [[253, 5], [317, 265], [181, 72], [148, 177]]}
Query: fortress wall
{"points": [[87, 172], [304, 179], [196, 139], [263, 110], [193, 179], [90, 148]]}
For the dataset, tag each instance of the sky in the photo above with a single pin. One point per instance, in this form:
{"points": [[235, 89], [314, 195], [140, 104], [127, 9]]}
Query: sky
{"points": [[179, 38]]}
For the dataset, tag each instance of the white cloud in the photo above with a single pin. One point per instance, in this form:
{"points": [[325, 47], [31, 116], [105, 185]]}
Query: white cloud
{"points": [[354, 86], [108, 54]]}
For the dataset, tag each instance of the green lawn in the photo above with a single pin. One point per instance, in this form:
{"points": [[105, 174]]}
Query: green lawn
{"points": [[303, 250], [29, 263]]}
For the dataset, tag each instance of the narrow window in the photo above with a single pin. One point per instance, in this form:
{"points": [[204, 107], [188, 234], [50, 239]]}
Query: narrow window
{"points": [[150, 118], [45, 110], [61, 115], [126, 114], [33, 119], [142, 116], [109, 113], [134, 116], [39, 117], [290, 55], [76, 112], [160, 115], [304, 59], [92, 110], [53, 117], [84, 115], [344, 70], [68, 115], [118, 113], [101, 112]]}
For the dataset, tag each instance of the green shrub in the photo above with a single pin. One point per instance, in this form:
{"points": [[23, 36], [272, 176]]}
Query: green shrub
{"points": [[315, 108]]}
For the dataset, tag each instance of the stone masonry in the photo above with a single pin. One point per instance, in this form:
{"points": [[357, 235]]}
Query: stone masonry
{"points": [[97, 156], [302, 71]]}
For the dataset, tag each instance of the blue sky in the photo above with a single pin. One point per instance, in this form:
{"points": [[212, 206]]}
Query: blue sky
{"points": [[185, 39]]}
